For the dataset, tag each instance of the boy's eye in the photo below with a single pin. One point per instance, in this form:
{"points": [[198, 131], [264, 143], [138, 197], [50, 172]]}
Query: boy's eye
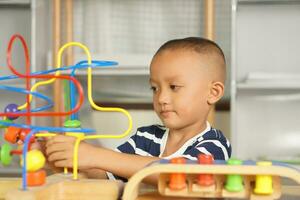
{"points": [[174, 87], [153, 88]]}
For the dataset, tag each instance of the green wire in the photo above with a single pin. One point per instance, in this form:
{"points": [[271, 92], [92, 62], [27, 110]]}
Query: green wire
{"points": [[67, 97]]}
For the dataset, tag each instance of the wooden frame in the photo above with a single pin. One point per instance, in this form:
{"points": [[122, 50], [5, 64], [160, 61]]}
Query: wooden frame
{"points": [[58, 89], [61, 186], [219, 171]]}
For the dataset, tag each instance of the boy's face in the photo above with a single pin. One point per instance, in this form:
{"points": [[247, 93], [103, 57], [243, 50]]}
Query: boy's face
{"points": [[180, 82]]}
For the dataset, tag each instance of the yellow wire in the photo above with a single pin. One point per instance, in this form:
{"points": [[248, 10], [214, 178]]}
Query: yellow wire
{"points": [[108, 109], [91, 101], [45, 134], [75, 157]]}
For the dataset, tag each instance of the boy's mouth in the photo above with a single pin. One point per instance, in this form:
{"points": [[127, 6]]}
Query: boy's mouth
{"points": [[166, 113]]}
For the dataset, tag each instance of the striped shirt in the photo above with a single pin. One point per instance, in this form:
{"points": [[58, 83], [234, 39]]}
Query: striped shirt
{"points": [[151, 141]]}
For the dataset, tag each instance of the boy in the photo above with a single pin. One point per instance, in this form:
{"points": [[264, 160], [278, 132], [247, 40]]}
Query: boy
{"points": [[187, 77]]}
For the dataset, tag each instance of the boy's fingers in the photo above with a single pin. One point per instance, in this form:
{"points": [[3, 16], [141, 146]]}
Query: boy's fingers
{"points": [[57, 147], [57, 156], [35, 145], [59, 139], [63, 163]]}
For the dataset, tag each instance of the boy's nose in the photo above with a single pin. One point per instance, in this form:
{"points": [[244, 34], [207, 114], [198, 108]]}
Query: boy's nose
{"points": [[163, 97]]}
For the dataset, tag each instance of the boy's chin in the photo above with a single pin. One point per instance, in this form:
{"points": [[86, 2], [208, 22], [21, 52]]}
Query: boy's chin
{"points": [[171, 125]]}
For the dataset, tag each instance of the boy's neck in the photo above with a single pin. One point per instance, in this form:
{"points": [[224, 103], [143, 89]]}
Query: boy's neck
{"points": [[184, 134]]}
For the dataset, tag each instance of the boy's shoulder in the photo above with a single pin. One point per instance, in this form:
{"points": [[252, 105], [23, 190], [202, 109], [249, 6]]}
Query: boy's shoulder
{"points": [[213, 135], [155, 129]]}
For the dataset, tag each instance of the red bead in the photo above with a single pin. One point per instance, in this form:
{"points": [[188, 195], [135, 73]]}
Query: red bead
{"points": [[24, 133], [205, 179]]}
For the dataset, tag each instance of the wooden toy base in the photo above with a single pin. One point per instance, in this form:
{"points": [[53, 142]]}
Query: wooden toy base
{"points": [[62, 186], [8, 184], [68, 189], [288, 193]]}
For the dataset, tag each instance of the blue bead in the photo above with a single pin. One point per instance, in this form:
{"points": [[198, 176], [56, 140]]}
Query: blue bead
{"points": [[11, 108]]}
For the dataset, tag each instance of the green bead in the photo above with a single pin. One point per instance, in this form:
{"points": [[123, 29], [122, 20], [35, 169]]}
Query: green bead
{"points": [[5, 154], [7, 121], [234, 182], [72, 124]]}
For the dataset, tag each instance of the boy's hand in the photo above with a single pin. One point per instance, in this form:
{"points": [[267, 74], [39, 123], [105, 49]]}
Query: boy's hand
{"points": [[60, 148], [41, 145]]}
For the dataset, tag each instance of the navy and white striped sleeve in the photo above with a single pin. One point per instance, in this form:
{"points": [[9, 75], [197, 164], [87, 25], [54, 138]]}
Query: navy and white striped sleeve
{"points": [[129, 146], [145, 142]]}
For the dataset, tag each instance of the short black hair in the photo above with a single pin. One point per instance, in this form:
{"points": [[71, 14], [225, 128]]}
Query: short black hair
{"points": [[199, 45]]}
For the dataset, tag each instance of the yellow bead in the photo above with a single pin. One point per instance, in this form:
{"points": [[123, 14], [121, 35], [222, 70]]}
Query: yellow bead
{"points": [[263, 183], [35, 160]]}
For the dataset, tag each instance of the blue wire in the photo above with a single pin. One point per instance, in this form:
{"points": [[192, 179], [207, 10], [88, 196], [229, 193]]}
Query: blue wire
{"points": [[73, 95], [49, 128], [73, 92], [24, 154], [36, 94], [80, 65]]}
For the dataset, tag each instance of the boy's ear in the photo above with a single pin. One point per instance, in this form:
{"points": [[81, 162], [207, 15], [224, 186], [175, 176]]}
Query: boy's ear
{"points": [[216, 92]]}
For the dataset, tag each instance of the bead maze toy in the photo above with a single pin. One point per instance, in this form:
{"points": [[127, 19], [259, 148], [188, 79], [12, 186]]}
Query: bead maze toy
{"points": [[35, 183], [206, 178]]}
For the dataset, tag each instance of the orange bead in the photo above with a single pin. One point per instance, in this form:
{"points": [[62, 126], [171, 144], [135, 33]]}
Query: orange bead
{"points": [[36, 178], [12, 134], [177, 180], [205, 179]]}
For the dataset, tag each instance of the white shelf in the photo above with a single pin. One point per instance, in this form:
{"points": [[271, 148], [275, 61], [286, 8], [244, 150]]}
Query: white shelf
{"points": [[14, 2], [262, 80], [269, 85], [265, 85], [129, 64], [268, 1]]}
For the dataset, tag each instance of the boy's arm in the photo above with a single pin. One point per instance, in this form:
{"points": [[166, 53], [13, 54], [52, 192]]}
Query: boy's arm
{"points": [[60, 151], [122, 164]]}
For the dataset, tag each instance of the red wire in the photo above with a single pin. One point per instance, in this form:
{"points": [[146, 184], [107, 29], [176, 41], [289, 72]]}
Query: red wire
{"points": [[27, 65], [28, 76], [20, 151], [16, 152]]}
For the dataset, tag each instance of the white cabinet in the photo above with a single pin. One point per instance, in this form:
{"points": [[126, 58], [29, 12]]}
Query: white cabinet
{"points": [[265, 85]]}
